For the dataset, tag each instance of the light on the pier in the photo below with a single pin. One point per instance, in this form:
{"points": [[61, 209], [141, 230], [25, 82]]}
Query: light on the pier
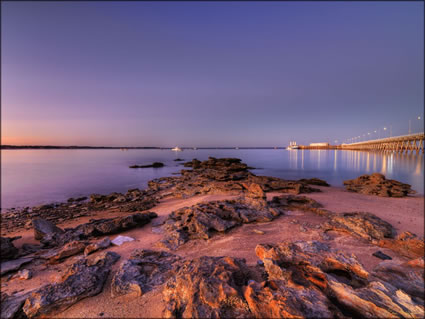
{"points": [[385, 128]]}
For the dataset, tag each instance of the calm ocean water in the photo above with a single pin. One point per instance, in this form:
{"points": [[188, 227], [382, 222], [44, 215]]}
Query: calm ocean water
{"points": [[33, 177]]}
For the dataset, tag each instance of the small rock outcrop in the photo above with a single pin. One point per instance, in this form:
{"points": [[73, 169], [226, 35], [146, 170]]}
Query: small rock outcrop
{"points": [[314, 181], [361, 224], [377, 184], [144, 270], [154, 165], [83, 279], [43, 228], [99, 245], [98, 227], [7, 249]]}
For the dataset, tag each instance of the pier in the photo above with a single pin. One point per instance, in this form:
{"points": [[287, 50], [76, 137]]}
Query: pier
{"points": [[399, 144]]}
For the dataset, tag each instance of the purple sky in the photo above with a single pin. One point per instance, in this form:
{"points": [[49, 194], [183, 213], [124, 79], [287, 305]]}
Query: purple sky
{"points": [[209, 73]]}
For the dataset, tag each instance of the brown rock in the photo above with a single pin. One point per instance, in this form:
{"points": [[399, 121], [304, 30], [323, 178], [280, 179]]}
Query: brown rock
{"points": [[102, 244], [69, 249], [376, 184], [83, 279], [207, 287], [144, 270], [201, 221], [406, 244], [361, 224]]}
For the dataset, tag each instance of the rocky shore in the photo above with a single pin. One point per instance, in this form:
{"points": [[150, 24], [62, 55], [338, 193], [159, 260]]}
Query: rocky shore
{"points": [[218, 241]]}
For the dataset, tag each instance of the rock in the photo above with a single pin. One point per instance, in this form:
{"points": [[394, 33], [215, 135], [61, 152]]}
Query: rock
{"points": [[7, 249], [44, 228], [178, 160], [260, 232], [207, 287], [11, 306], [69, 249], [329, 283], [202, 220], [294, 203], [406, 244], [144, 270], [154, 164], [83, 279], [23, 274], [119, 240], [99, 227], [13, 265], [314, 181], [102, 244], [376, 184], [406, 276], [379, 254], [361, 224]]}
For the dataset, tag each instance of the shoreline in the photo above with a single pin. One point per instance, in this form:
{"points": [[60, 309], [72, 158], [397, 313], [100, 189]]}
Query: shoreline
{"points": [[306, 212]]}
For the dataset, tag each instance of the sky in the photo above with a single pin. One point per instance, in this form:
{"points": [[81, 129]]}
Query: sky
{"points": [[209, 74]]}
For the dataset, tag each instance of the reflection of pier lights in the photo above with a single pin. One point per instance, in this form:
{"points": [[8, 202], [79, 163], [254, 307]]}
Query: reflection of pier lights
{"points": [[384, 164], [302, 159], [335, 159], [367, 163], [418, 169]]}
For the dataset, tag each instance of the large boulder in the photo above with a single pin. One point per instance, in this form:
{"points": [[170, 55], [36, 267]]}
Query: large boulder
{"points": [[83, 279], [376, 184], [144, 270]]}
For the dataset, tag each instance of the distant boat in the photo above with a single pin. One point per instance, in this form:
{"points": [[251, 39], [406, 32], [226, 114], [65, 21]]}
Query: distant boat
{"points": [[177, 149]]}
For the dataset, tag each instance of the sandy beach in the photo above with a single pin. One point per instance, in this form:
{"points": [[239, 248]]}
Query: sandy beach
{"points": [[406, 214]]}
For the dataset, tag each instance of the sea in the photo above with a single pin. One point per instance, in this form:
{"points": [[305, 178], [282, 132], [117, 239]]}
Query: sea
{"points": [[32, 177]]}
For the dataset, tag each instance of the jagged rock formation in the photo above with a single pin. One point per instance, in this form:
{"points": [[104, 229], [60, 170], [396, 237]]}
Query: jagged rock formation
{"points": [[361, 224], [204, 219], [314, 181], [83, 279], [406, 244], [207, 287], [144, 270], [300, 279], [222, 176], [98, 227], [132, 201], [377, 184]]}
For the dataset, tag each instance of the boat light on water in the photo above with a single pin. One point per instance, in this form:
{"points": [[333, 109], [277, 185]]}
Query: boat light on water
{"points": [[177, 149]]}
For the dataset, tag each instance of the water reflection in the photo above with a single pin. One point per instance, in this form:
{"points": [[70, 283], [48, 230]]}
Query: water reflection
{"points": [[55, 175]]}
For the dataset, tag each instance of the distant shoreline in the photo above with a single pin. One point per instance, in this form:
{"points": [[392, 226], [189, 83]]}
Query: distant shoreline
{"points": [[17, 147]]}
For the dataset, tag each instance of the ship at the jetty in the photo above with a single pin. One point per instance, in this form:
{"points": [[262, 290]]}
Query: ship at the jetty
{"points": [[292, 146]]}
